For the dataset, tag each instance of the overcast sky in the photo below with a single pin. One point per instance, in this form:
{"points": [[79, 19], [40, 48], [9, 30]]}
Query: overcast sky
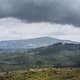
{"points": [[24, 19]]}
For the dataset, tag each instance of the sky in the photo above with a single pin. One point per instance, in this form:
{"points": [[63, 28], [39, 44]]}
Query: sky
{"points": [[25, 19]]}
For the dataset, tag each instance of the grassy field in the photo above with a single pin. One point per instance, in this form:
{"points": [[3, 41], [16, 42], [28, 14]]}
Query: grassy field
{"points": [[42, 74]]}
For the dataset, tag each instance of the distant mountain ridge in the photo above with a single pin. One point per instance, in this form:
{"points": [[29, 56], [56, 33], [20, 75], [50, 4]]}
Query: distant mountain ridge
{"points": [[31, 43]]}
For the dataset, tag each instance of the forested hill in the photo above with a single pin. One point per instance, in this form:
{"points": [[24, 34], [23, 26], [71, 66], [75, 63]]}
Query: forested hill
{"points": [[55, 48], [57, 55], [60, 55]]}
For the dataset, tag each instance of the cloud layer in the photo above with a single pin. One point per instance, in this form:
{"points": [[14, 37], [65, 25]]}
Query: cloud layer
{"points": [[12, 28], [58, 11]]}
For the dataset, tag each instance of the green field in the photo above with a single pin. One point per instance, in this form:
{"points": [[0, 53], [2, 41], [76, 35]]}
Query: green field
{"points": [[42, 74]]}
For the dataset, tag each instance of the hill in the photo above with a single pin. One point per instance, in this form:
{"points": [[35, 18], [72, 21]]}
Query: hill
{"points": [[31, 43], [60, 55], [57, 55]]}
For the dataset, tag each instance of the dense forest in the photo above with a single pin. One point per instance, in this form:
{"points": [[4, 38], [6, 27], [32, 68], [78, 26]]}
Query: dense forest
{"points": [[57, 55]]}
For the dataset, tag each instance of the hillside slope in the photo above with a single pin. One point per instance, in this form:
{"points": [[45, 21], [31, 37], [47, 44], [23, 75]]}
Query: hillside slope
{"points": [[31, 43], [58, 55]]}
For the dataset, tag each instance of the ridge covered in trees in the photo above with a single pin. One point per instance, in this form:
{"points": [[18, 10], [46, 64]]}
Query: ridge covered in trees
{"points": [[57, 55]]}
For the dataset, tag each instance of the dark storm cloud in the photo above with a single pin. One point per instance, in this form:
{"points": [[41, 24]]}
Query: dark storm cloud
{"points": [[59, 11]]}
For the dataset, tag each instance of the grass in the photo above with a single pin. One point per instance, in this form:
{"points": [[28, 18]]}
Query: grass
{"points": [[43, 74]]}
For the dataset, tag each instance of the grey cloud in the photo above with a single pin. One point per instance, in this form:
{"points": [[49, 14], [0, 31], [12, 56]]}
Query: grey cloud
{"points": [[58, 11]]}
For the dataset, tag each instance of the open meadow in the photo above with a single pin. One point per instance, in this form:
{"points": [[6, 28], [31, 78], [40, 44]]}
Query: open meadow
{"points": [[43, 74]]}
